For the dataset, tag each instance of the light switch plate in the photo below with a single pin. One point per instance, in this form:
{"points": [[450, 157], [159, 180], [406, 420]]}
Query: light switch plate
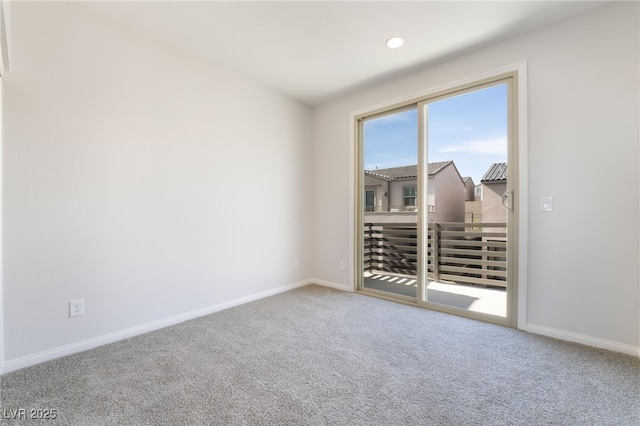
{"points": [[546, 204]]}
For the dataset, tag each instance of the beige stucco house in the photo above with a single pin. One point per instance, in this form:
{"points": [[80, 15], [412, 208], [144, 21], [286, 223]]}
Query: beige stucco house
{"points": [[390, 194], [473, 202], [470, 188], [494, 184]]}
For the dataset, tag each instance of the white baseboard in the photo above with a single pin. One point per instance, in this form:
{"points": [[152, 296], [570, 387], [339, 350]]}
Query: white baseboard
{"points": [[584, 339], [50, 354], [331, 284]]}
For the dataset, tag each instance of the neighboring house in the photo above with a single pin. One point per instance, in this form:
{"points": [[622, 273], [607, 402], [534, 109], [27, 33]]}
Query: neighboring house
{"points": [[478, 192], [473, 202], [494, 184], [393, 190], [470, 188]]}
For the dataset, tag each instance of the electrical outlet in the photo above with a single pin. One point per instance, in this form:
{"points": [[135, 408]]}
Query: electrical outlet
{"points": [[341, 265], [296, 264], [76, 307]]}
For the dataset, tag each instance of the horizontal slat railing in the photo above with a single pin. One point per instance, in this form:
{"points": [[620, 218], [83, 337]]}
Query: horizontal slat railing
{"points": [[465, 253], [392, 247], [461, 252]]}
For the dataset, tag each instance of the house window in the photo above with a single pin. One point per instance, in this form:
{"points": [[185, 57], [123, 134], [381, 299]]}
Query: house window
{"points": [[409, 195], [478, 193], [369, 200]]}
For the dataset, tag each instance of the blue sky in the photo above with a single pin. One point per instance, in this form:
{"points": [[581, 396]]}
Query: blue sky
{"points": [[470, 129]]}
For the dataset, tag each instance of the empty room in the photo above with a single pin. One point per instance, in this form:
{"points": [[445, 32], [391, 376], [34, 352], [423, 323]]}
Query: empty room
{"points": [[320, 212]]}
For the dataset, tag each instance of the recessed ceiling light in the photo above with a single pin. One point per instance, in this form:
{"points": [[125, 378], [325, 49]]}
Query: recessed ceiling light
{"points": [[395, 42]]}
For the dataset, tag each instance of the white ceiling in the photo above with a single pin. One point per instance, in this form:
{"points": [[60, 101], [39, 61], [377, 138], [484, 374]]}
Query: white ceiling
{"points": [[317, 51]]}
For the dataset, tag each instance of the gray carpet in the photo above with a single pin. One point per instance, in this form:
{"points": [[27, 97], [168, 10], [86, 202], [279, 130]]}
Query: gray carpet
{"points": [[317, 356]]}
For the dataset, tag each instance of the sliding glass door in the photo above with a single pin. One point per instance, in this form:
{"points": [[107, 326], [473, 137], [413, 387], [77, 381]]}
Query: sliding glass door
{"points": [[389, 219], [437, 204]]}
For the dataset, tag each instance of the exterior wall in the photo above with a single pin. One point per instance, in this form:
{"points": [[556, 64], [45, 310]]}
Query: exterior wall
{"points": [[473, 211], [396, 191], [492, 208], [470, 190], [450, 194], [381, 186], [397, 217]]}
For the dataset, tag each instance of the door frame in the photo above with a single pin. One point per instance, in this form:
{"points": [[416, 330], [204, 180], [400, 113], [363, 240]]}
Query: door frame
{"points": [[518, 70], [4, 67], [1, 235]]}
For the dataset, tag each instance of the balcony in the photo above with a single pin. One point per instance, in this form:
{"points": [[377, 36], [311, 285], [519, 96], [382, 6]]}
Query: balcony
{"points": [[391, 208], [466, 263]]}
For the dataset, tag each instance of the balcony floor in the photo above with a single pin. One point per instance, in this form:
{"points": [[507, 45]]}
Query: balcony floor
{"points": [[471, 298]]}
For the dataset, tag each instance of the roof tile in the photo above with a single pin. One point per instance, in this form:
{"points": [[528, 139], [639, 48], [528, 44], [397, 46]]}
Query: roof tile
{"points": [[411, 171], [496, 173]]}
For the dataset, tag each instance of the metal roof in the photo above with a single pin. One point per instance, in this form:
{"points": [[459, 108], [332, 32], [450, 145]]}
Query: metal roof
{"points": [[496, 173], [411, 171]]}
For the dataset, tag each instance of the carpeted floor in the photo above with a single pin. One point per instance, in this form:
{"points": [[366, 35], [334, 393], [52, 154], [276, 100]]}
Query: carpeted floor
{"points": [[317, 356]]}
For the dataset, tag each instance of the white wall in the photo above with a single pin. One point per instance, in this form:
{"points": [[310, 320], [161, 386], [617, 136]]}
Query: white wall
{"points": [[583, 280], [140, 181]]}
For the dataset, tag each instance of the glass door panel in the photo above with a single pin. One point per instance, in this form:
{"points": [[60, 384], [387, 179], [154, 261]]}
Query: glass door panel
{"points": [[390, 189], [466, 148]]}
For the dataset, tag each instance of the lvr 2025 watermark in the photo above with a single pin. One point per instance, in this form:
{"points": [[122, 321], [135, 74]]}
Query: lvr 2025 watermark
{"points": [[28, 413]]}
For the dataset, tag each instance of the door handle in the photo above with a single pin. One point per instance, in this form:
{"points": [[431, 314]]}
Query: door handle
{"points": [[507, 200]]}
